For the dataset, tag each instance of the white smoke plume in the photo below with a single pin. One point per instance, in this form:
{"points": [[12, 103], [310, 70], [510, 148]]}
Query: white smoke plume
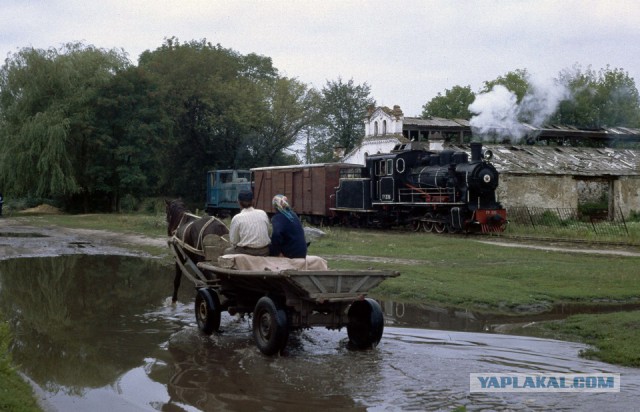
{"points": [[498, 113]]}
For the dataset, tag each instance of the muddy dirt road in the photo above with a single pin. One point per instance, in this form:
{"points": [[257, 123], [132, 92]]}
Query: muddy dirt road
{"points": [[18, 240]]}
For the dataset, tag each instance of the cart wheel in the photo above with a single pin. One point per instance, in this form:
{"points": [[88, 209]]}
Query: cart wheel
{"points": [[270, 326], [366, 324], [207, 311]]}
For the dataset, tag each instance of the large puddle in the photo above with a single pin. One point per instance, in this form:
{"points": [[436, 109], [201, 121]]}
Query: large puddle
{"points": [[97, 333]]}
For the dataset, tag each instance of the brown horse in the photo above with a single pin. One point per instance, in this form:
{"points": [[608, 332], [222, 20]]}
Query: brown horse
{"points": [[190, 230]]}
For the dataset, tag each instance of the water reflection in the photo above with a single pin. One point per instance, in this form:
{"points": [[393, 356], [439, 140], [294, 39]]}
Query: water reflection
{"points": [[227, 373], [433, 317], [96, 333], [75, 318]]}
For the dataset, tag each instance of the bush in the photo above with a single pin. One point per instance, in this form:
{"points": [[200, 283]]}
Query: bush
{"points": [[634, 216]]}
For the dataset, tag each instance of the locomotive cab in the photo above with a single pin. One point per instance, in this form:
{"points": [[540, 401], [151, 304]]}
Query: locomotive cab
{"points": [[223, 187]]}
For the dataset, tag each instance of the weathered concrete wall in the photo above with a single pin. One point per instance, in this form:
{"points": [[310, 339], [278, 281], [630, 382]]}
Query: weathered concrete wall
{"points": [[626, 194], [552, 191], [593, 190], [548, 191]]}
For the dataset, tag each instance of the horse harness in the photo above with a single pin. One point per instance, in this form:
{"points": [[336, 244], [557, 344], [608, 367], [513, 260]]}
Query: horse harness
{"points": [[198, 249]]}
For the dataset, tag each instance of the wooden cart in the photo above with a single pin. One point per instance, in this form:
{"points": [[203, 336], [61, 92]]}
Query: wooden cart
{"points": [[285, 295]]}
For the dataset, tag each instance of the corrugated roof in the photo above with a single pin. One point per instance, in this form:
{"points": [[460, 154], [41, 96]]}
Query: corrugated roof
{"points": [[435, 122], [563, 160]]}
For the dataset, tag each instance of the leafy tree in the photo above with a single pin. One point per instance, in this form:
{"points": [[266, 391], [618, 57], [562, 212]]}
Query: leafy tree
{"points": [[515, 81], [131, 128], [608, 98], [453, 105], [579, 110], [46, 117], [618, 96], [342, 108], [228, 111], [212, 98], [318, 146], [289, 107]]}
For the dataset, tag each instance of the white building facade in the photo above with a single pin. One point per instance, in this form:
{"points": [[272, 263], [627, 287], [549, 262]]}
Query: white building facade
{"points": [[382, 132]]}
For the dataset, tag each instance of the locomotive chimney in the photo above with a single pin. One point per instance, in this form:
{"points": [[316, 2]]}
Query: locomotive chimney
{"points": [[476, 151]]}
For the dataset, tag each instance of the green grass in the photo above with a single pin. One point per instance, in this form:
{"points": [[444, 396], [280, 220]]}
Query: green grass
{"points": [[613, 336], [144, 224], [461, 272], [606, 232], [15, 394]]}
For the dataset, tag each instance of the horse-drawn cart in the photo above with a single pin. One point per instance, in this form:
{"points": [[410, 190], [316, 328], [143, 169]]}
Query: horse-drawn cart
{"points": [[282, 294]]}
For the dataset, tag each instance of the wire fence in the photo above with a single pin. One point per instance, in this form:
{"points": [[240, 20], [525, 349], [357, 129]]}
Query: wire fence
{"points": [[597, 221]]}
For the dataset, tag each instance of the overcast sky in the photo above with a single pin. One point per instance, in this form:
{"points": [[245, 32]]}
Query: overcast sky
{"points": [[407, 51]]}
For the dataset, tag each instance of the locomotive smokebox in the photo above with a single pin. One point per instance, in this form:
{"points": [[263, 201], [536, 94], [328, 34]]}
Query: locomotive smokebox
{"points": [[476, 151]]}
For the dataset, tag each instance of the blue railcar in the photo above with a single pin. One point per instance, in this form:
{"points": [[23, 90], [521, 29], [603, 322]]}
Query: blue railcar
{"points": [[223, 187]]}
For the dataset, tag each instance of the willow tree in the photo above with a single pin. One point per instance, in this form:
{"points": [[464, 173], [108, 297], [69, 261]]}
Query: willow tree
{"points": [[46, 117]]}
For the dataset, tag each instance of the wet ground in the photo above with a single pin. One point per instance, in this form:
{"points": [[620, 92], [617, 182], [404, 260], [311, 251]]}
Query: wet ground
{"points": [[98, 333], [94, 331]]}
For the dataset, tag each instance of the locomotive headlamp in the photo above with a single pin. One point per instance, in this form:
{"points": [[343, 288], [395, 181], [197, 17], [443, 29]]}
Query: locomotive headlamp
{"points": [[487, 154], [486, 178]]}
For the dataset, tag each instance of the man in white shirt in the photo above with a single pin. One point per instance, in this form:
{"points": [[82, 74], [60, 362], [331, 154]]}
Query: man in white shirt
{"points": [[249, 230]]}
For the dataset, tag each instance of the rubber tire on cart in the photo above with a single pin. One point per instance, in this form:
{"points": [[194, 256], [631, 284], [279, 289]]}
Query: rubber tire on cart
{"points": [[208, 310], [270, 326], [366, 324]]}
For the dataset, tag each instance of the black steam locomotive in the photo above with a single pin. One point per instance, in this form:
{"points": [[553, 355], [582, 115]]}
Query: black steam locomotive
{"points": [[433, 191], [441, 191]]}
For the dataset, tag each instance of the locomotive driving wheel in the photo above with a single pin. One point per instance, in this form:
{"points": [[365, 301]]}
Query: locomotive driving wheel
{"points": [[439, 226], [427, 224], [416, 224]]}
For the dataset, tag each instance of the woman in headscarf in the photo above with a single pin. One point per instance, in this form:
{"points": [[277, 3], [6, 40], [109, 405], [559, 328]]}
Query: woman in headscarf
{"points": [[287, 236]]}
